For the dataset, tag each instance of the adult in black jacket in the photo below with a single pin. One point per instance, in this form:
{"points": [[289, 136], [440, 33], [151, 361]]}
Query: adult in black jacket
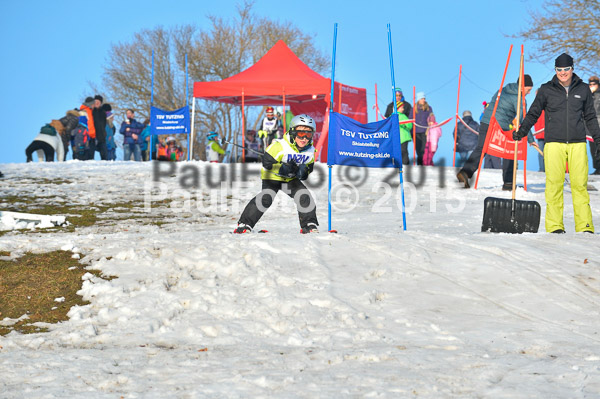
{"points": [[408, 112], [100, 123], [569, 110]]}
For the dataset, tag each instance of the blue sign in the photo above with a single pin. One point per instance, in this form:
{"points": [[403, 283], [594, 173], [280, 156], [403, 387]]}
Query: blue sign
{"points": [[371, 145], [169, 122]]}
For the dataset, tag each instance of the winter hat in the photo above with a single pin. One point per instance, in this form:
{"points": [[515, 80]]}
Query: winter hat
{"points": [[398, 89], [89, 101], [594, 79], [528, 81], [467, 113], [99, 97], [170, 139], [563, 60], [106, 107], [420, 95], [83, 120]]}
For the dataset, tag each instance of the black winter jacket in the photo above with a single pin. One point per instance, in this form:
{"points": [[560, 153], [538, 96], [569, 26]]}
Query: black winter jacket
{"points": [[567, 114], [100, 123], [407, 110]]}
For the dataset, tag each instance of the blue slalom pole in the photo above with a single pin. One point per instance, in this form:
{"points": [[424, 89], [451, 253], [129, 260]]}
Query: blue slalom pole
{"points": [[329, 135], [152, 80], [389, 31]]}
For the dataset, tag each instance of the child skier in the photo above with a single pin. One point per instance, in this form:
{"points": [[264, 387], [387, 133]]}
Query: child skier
{"points": [[286, 163], [214, 148]]}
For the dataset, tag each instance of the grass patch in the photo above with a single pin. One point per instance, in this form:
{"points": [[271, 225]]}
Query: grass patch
{"points": [[29, 286]]}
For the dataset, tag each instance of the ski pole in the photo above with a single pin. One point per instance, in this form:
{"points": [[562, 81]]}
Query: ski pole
{"points": [[245, 148]]}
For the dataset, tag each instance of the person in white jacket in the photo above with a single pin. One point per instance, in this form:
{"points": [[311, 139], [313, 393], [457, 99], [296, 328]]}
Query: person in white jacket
{"points": [[46, 144]]}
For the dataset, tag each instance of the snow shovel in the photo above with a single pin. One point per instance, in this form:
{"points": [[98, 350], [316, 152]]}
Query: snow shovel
{"points": [[501, 215]]}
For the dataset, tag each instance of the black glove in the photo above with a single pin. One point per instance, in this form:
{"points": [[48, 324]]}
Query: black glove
{"points": [[268, 161], [288, 169], [302, 172], [519, 134]]}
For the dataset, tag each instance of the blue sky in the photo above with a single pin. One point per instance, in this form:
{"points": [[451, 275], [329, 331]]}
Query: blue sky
{"points": [[52, 51]]}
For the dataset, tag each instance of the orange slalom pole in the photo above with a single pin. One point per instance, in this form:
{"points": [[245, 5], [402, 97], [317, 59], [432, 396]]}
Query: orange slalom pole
{"points": [[456, 118], [487, 136], [414, 127]]}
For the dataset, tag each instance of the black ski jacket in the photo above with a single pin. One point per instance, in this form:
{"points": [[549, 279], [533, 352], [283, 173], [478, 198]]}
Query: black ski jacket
{"points": [[567, 114]]}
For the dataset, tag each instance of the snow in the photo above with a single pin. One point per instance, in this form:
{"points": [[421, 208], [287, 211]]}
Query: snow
{"points": [[439, 310]]}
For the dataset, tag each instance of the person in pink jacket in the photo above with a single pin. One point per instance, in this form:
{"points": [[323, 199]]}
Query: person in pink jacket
{"points": [[433, 136]]}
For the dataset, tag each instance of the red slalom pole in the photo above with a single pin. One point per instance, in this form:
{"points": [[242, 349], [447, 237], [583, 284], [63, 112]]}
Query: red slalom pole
{"points": [[456, 118], [376, 106], [414, 127]]}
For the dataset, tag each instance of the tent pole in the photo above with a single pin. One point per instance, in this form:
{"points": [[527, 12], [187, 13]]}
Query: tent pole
{"points": [[192, 132], [243, 129]]}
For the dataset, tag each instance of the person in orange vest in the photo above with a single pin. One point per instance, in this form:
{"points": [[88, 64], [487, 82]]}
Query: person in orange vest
{"points": [[86, 107]]}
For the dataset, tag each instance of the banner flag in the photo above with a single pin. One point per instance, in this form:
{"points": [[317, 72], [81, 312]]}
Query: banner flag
{"points": [[370, 145], [500, 143], [169, 122]]}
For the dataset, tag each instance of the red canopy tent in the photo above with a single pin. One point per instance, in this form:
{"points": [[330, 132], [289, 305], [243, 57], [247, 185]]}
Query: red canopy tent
{"points": [[280, 77]]}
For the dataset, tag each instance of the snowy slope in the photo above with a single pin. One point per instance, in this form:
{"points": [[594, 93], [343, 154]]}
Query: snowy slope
{"points": [[440, 310]]}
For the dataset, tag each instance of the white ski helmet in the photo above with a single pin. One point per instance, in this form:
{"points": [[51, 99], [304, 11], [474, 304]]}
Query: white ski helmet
{"points": [[302, 120]]}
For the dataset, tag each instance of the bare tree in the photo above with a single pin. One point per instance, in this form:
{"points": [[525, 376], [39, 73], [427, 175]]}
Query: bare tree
{"points": [[571, 26], [226, 48]]}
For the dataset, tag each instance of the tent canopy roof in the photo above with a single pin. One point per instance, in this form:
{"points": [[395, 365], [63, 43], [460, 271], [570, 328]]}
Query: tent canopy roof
{"points": [[279, 72]]}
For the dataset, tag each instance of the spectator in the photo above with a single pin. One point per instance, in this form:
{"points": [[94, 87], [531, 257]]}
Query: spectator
{"points": [[268, 127], [466, 140], [593, 83], [111, 147], [400, 101], [70, 122], [253, 146], [422, 112], [91, 145], [80, 138], [145, 140], [162, 149], [399, 98], [174, 152], [100, 126], [215, 151], [569, 107], [505, 113], [433, 137], [405, 133], [131, 129], [46, 143]]}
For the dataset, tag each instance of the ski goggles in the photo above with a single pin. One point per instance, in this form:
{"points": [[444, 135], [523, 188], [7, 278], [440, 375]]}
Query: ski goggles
{"points": [[565, 69], [304, 134]]}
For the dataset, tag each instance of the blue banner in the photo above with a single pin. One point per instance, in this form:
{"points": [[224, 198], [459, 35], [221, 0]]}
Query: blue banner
{"points": [[370, 145], [169, 122]]}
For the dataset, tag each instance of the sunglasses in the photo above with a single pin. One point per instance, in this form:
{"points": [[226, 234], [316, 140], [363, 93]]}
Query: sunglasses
{"points": [[565, 69], [303, 134]]}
